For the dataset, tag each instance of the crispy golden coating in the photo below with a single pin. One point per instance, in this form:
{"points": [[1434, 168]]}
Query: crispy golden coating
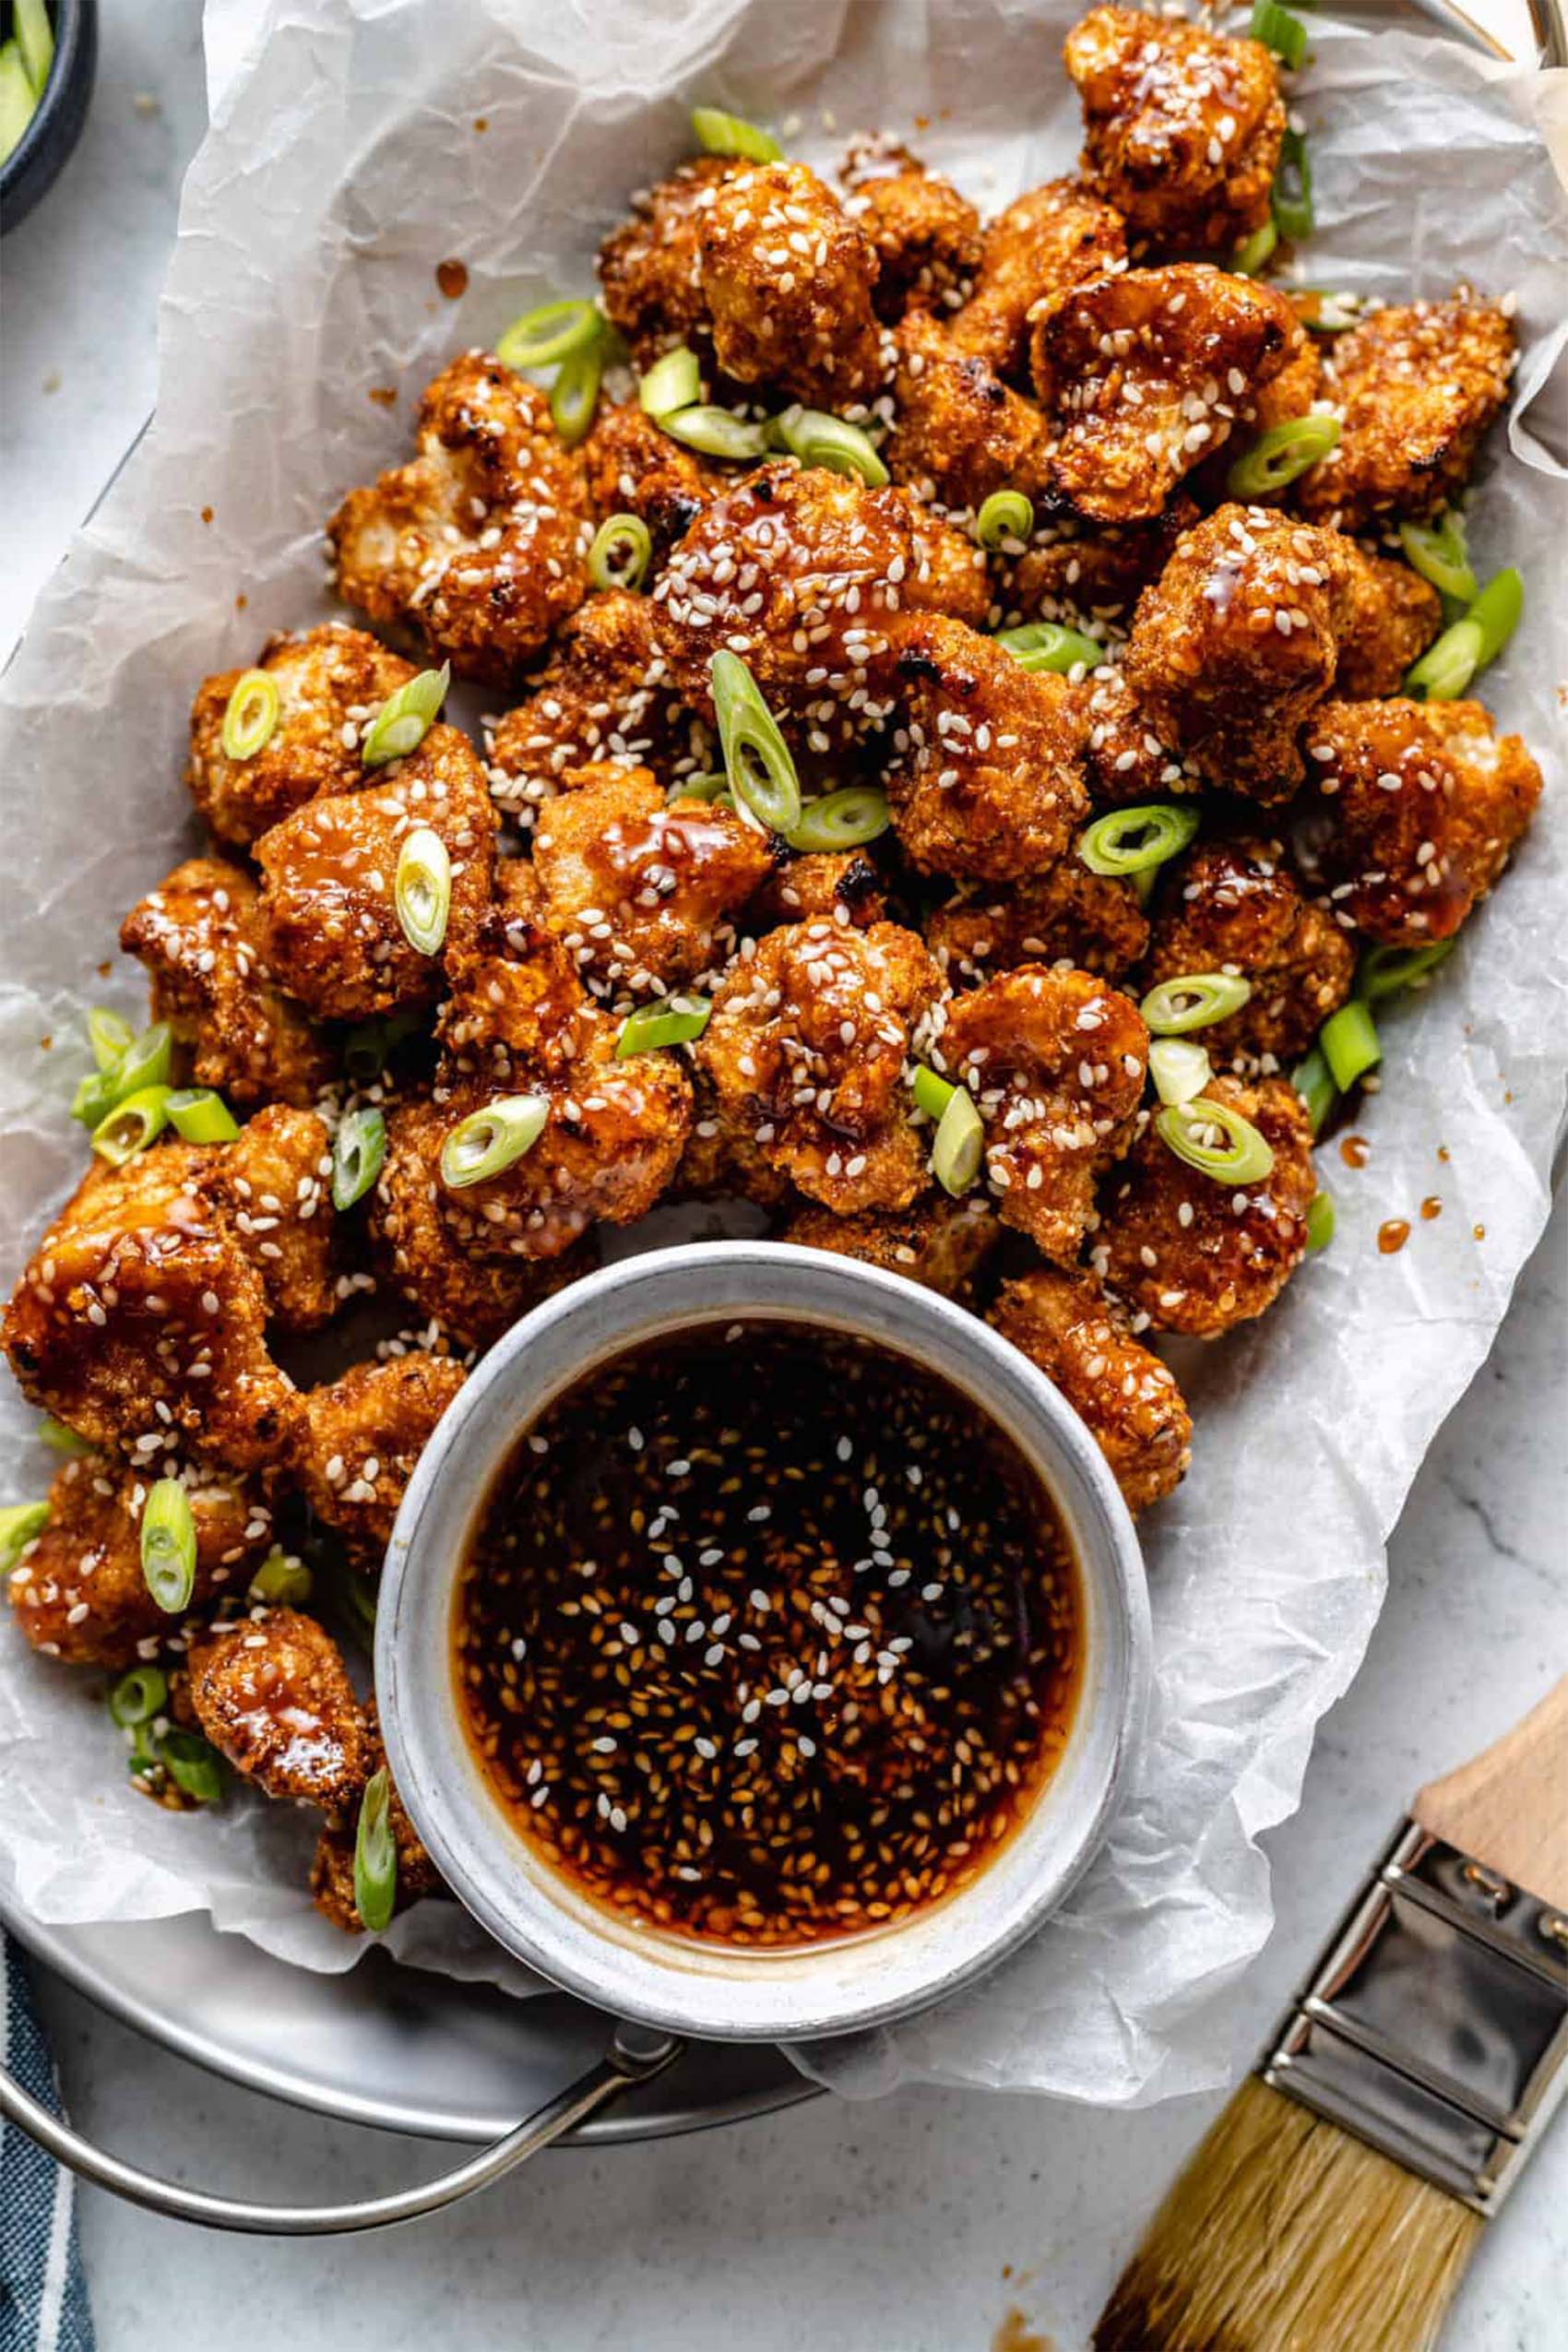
{"points": [[841, 886], [477, 545], [1294, 392], [942, 1244], [1081, 1338], [1234, 905], [362, 1437], [330, 684], [1052, 238], [332, 1867], [271, 1693], [723, 1159], [199, 935], [1124, 760], [1197, 1256], [641, 892], [329, 913], [1070, 573], [650, 267], [925, 235], [1426, 802], [1238, 641], [808, 1042], [986, 782], [276, 1181], [1181, 128], [1055, 1061], [1394, 616], [631, 468], [78, 1590], [805, 574], [788, 280], [517, 1015], [1415, 388], [140, 1322], [960, 433], [1066, 915]]}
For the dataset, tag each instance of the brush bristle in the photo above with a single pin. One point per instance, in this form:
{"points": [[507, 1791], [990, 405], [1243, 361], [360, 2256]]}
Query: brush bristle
{"points": [[1285, 2234]]}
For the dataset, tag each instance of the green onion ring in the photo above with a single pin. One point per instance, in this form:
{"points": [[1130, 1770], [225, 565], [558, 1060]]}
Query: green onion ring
{"points": [[933, 1092], [1290, 198], [1245, 1158], [676, 1022], [282, 1582], [359, 1148], [1350, 1044], [35, 41], [1313, 1081], [422, 891], [816, 438], [959, 1143], [627, 531], [1446, 670], [147, 1060], [110, 1036], [1385, 972], [1320, 1222], [843, 820], [1193, 1001], [672, 382], [720, 133], [169, 1546], [1335, 313], [1046, 645], [1250, 257], [756, 758], [20, 1521], [1286, 450], [250, 714], [132, 1126], [192, 1764], [574, 395], [1497, 612], [199, 1116], [1131, 840], [61, 1437], [1180, 1068], [403, 721], [376, 1854], [488, 1141], [18, 97], [717, 433], [554, 331], [1278, 30], [137, 1696], [713, 787], [1438, 552], [1006, 515]]}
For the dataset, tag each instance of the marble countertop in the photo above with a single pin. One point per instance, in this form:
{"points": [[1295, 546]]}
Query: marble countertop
{"points": [[913, 2224]]}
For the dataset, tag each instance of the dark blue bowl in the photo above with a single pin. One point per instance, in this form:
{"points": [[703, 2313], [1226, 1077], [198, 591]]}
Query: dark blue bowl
{"points": [[57, 120]]}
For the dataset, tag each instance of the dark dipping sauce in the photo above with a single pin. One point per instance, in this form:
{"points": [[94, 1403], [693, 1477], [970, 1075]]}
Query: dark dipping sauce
{"points": [[768, 1635]]}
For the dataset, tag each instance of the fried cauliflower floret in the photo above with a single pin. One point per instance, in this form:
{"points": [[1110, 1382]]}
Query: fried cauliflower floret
{"points": [[1124, 760], [806, 574], [1394, 616], [641, 891], [1081, 1338], [328, 911], [1070, 573], [1237, 642], [332, 1867], [787, 280], [477, 545], [723, 1159], [199, 935], [518, 1016], [276, 1181], [1182, 128], [1295, 391], [840, 885], [1144, 374], [925, 235], [631, 468], [1415, 388], [650, 267], [808, 1042], [273, 1697], [942, 1244], [1052, 238], [1197, 1255], [1426, 803], [362, 1437], [1234, 905], [1066, 915], [140, 1322], [959, 433], [986, 782], [330, 682], [79, 1591]]}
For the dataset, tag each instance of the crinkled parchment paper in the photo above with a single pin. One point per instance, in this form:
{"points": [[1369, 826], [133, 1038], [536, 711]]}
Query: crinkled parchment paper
{"points": [[345, 160]]}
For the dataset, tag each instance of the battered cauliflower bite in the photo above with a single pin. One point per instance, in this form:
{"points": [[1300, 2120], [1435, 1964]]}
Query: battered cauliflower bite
{"points": [[1393, 617], [79, 1591], [271, 1693], [1055, 1061], [1069, 1325], [199, 935], [1052, 238], [650, 270], [787, 279], [332, 1869], [1068, 915], [723, 1159], [1124, 760], [807, 1045], [477, 546], [942, 1244], [1425, 804], [140, 1322], [925, 235], [328, 914], [1193, 1255], [1181, 128], [640, 890], [841, 886], [362, 1437], [958, 433], [1070, 573], [275, 1180], [1415, 387], [330, 682], [630, 466], [1144, 373], [986, 778], [1234, 905]]}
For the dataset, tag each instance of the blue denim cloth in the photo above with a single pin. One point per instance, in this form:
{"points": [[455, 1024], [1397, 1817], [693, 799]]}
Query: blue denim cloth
{"points": [[44, 2305]]}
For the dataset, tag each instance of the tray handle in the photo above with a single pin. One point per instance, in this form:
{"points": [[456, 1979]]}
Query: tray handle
{"points": [[636, 2054]]}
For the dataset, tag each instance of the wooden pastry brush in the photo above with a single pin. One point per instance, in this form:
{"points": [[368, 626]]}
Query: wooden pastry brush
{"points": [[1335, 2205]]}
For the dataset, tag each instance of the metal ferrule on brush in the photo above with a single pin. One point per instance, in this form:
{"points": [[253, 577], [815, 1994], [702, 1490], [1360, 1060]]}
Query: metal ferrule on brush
{"points": [[1435, 2026]]}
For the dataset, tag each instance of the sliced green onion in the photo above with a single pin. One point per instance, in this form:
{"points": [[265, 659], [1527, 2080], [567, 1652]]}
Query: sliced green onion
{"points": [[676, 1022], [717, 433], [756, 758], [721, 133], [200, 1116], [1245, 1158], [1006, 515], [94, 1098], [403, 721], [1193, 1001], [1132, 840], [713, 787], [1286, 450], [147, 1061], [141, 1757], [35, 38], [282, 1582], [1320, 1222], [359, 1149], [131, 1125], [574, 395], [1385, 972], [842, 820], [1331, 315], [1350, 1044], [1046, 645], [673, 382], [20, 1521], [1497, 612], [818, 438], [1290, 198], [488, 1141], [1180, 1069], [608, 568], [959, 1143], [139, 1696], [376, 1854], [110, 1035], [933, 1092], [1279, 30], [421, 892], [169, 1546], [1250, 257], [1449, 663], [61, 1437], [1438, 552], [371, 1044], [250, 715], [18, 99], [193, 1765], [1314, 1081], [554, 331]]}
